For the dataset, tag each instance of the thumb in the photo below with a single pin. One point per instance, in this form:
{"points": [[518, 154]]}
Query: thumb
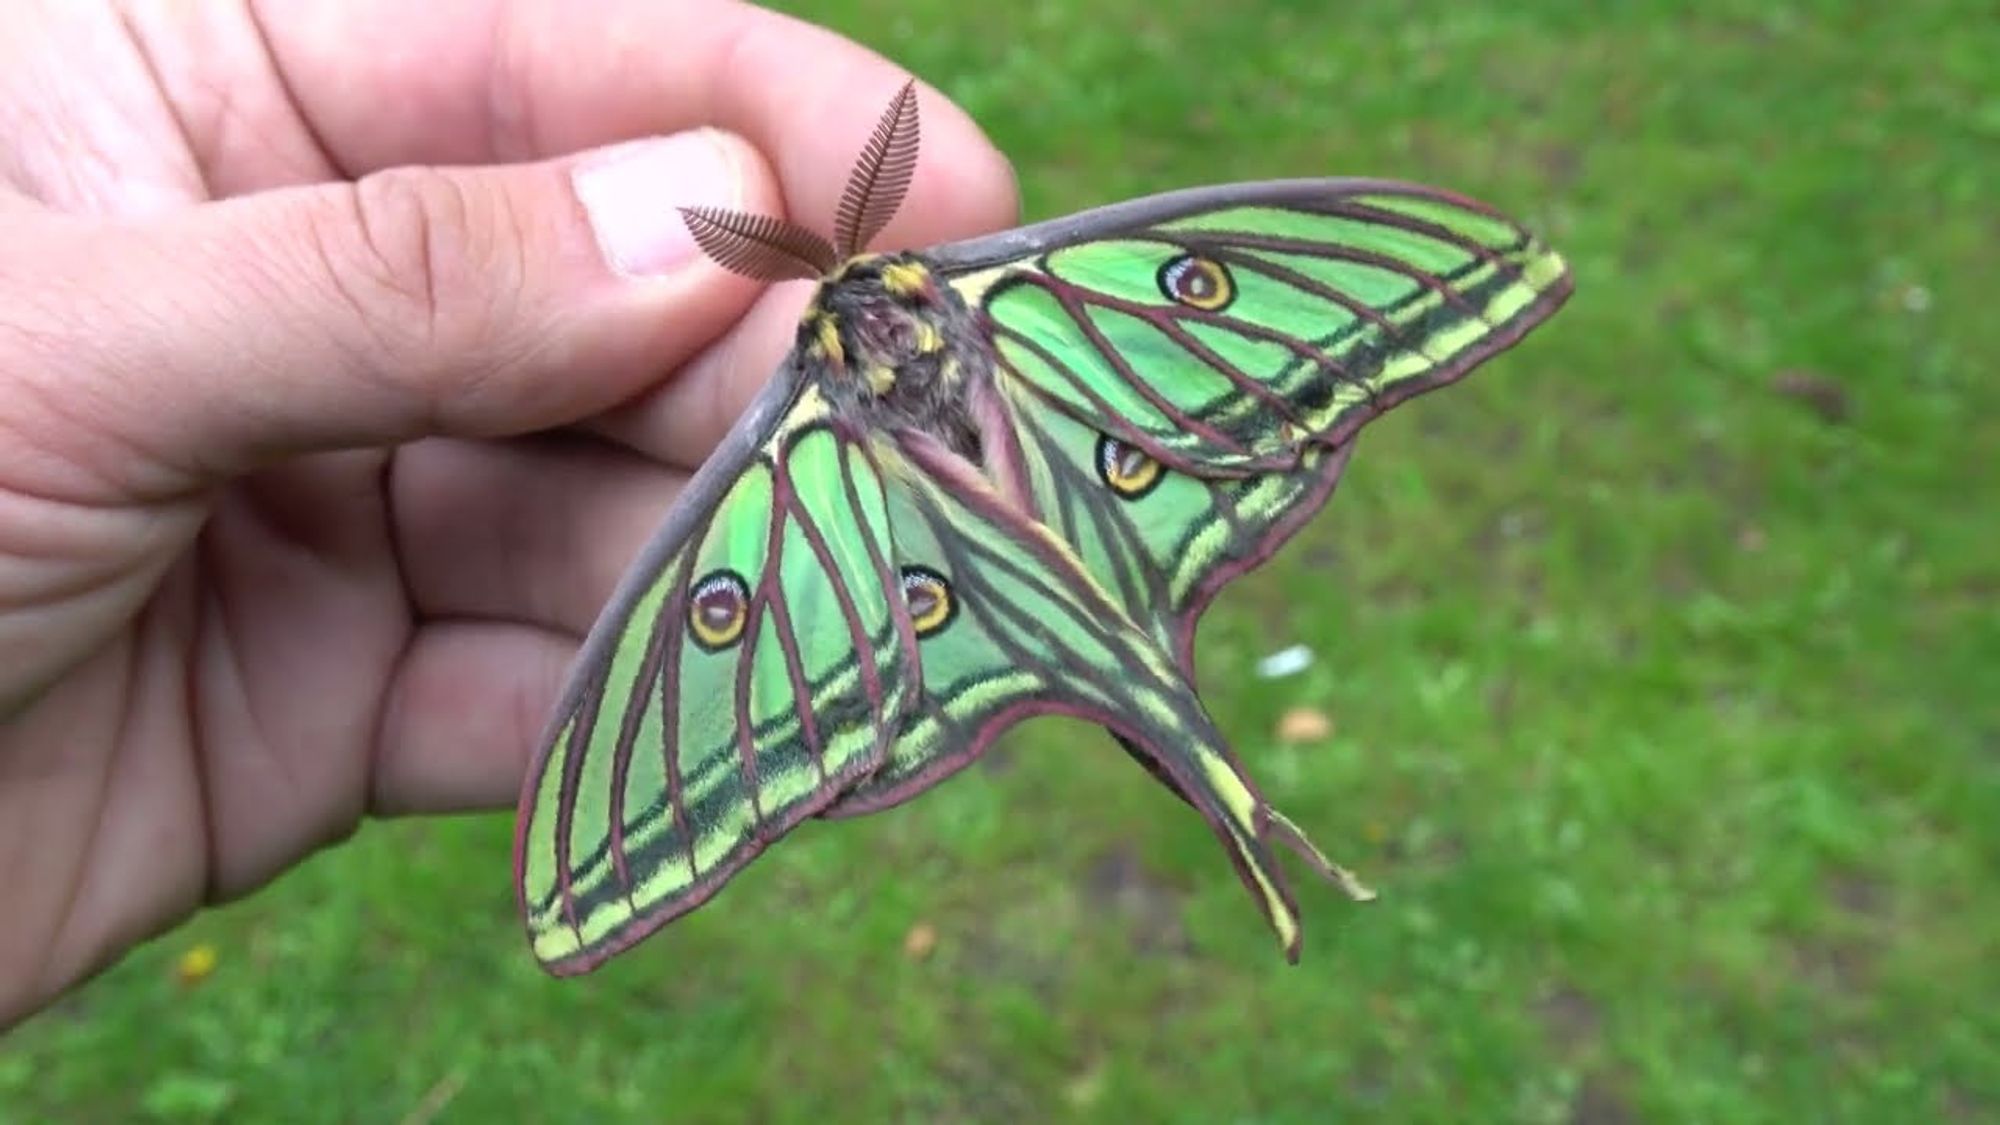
{"points": [[415, 301]]}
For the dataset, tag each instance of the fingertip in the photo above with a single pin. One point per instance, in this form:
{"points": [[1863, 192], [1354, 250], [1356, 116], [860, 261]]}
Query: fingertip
{"points": [[759, 190], [810, 107], [635, 196]]}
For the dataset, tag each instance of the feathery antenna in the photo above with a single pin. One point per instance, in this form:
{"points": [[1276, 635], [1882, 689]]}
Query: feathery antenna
{"points": [[759, 246], [875, 188], [771, 249]]}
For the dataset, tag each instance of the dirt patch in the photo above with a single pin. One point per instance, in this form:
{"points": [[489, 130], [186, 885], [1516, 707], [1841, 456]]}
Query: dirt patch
{"points": [[1859, 895], [987, 954], [1371, 1079], [1512, 526], [1561, 164], [1960, 1104], [1839, 965], [1118, 883], [975, 1087], [1844, 961], [1501, 695], [1825, 396], [1571, 1018], [1598, 1101]]}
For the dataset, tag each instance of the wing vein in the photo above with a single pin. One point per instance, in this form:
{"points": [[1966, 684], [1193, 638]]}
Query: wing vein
{"points": [[1131, 431], [670, 702], [638, 696]]}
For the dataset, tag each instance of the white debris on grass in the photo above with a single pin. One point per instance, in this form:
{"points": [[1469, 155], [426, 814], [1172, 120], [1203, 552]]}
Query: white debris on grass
{"points": [[1285, 662]]}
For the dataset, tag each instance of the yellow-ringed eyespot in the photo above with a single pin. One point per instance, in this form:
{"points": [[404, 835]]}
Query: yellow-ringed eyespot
{"points": [[1197, 282], [931, 603], [1126, 469], [718, 609]]}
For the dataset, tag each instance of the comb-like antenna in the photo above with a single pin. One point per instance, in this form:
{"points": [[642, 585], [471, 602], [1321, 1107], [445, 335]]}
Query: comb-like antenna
{"points": [[880, 177], [759, 246]]}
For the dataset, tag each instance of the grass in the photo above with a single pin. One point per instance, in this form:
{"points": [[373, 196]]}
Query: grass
{"points": [[1661, 657]]}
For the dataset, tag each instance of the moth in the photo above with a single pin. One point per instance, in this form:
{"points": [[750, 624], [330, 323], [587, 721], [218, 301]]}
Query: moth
{"points": [[992, 480]]}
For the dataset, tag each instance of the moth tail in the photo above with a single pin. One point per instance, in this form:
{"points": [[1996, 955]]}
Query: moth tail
{"points": [[1289, 834], [1202, 771]]}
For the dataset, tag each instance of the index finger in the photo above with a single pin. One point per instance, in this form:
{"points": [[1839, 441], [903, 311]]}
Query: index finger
{"points": [[386, 82]]}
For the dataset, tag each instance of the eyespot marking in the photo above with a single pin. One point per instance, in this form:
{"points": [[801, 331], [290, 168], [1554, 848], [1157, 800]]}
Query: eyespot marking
{"points": [[1197, 282], [930, 599], [1126, 469], [718, 610]]}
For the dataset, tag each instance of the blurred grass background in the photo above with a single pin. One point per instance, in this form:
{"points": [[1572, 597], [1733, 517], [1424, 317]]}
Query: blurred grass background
{"points": [[1661, 659]]}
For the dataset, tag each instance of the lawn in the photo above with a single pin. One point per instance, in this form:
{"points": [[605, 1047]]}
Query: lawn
{"points": [[1661, 659]]}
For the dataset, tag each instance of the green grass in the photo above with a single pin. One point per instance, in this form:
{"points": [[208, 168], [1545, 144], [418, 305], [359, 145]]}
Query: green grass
{"points": [[1667, 706]]}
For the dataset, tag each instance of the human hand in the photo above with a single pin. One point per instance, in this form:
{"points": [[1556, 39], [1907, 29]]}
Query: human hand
{"points": [[282, 287]]}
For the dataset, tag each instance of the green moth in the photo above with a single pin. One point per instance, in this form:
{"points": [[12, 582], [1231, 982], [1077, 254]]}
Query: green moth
{"points": [[992, 480]]}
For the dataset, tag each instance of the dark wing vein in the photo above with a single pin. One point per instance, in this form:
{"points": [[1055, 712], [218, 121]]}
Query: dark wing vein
{"points": [[1138, 435], [1279, 244], [1072, 298], [1397, 220], [628, 736], [670, 702]]}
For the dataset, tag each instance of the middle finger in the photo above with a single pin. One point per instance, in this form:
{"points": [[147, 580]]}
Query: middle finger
{"points": [[535, 531]]}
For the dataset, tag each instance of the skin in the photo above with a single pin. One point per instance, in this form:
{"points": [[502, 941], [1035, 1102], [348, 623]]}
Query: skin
{"points": [[326, 427]]}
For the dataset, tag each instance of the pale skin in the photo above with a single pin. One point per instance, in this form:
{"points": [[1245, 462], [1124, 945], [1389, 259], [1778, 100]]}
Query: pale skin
{"points": [[341, 372]]}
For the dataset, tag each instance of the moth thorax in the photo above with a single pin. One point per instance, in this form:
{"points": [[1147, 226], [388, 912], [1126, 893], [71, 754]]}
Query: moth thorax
{"points": [[898, 347]]}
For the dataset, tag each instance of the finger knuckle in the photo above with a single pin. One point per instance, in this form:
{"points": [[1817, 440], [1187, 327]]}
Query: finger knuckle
{"points": [[424, 259], [400, 229]]}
